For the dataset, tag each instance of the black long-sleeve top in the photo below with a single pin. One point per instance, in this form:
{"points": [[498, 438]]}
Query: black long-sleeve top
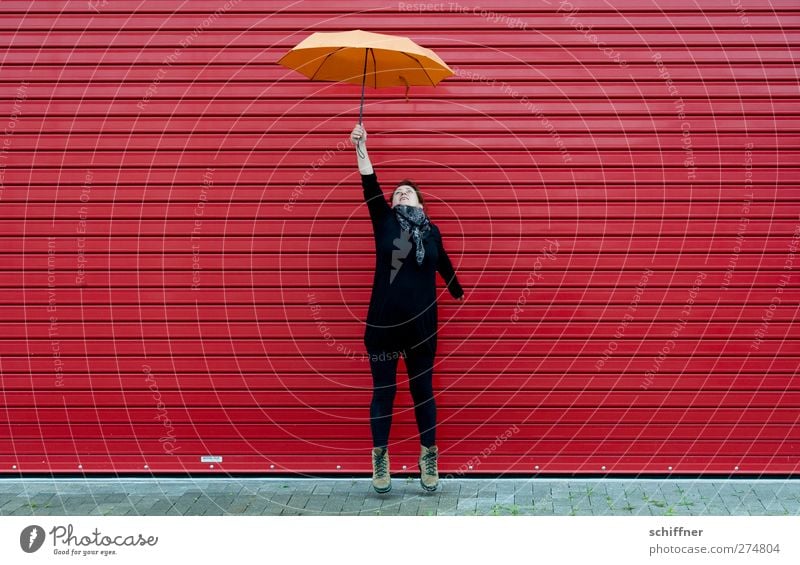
{"points": [[403, 311]]}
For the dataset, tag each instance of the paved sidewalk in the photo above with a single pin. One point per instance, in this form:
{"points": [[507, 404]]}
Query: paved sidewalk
{"points": [[506, 496]]}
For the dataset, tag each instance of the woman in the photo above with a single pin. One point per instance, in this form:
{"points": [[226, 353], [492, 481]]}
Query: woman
{"points": [[402, 318]]}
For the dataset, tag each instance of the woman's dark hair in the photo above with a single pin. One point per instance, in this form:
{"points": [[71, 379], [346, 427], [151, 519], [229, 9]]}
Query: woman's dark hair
{"points": [[412, 184]]}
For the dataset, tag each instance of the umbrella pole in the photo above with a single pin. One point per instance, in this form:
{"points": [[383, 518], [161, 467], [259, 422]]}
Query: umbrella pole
{"points": [[363, 84], [361, 109]]}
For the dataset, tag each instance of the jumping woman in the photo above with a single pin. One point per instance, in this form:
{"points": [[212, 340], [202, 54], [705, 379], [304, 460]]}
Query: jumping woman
{"points": [[402, 318]]}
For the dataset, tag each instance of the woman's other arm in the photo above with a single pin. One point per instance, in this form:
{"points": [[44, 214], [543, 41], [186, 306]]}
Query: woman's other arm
{"points": [[445, 268]]}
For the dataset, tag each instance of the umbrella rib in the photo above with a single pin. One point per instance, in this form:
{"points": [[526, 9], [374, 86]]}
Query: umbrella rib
{"points": [[375, 69], [324, 61], [420, 66]]}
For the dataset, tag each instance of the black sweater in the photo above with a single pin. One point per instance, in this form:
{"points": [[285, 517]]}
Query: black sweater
{"points": [[403, 309]]}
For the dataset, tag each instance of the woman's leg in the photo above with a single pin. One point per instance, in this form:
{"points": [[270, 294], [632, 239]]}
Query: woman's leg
{"points": [[420, 381], [383, 366]]}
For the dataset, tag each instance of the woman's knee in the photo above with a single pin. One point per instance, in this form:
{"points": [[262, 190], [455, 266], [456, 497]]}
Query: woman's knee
{"points": [[384, 392], [420, 381]]}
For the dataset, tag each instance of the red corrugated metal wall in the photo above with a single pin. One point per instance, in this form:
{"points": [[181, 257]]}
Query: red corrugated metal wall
{"points": [[186, 259]]}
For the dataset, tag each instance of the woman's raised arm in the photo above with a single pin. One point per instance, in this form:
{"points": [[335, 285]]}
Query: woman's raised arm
{"points": [[359, 138], [373, 195]]}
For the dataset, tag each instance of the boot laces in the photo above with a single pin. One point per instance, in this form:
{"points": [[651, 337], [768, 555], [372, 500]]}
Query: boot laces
{"points": [[429, 460], [380, 463]]}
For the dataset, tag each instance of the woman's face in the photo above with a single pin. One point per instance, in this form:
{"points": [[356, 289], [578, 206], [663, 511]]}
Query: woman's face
{"points": [[405, 195]]}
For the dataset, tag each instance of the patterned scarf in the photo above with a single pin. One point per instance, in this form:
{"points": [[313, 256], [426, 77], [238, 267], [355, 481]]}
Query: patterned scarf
{"points": [[414, 220]]}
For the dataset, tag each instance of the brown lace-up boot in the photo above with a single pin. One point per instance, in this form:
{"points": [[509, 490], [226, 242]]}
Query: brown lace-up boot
{"points": [[381, 481], [428, 468]]}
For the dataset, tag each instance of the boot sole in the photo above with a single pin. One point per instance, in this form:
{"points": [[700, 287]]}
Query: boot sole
{"points": [[427, 488], [382, 491]]}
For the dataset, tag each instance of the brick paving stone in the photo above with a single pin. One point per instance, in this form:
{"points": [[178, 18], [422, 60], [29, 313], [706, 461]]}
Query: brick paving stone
{"points": [[268, 509], [506, 491], [164, 508], [62, 512], [523, 499], [372, 504], [41, 498], [562, 506], [774, 508], [353, 501], [116, 497], [712, 510], [343, 487], [84, 509], [297, 501], [506, 500], [769, 498], [769, 488], [275, 498], [131, 501], [103, 509], [216, 505], [408, 507], [427, 508], [316, 502], [186, 502], [732, 503], [239, 504], [448, 502], [466, 490], [302, 487], [334, 504], [11, 505], [791, 506]]}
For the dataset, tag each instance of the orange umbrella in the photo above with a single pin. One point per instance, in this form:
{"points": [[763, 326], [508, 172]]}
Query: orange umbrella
{"points": [[368, 58]]}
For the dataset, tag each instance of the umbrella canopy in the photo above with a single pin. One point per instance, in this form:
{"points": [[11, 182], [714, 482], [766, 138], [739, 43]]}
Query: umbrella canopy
{"points": [[363, 57]]}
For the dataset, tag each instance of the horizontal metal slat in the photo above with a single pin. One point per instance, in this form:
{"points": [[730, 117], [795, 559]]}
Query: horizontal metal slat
{"points": [[267, 280], [351, 243], [360, 297], [316, 268], [451, 432], [456, 56], [340, 398], [447, 378], [277, 447], [499, 38], [391, 104], [499, 211], [531, 90], [456, 329], [472, 310], [531, 175], [380, 21], [638, 417], [567, 69], [324, 7], [299, 226]]}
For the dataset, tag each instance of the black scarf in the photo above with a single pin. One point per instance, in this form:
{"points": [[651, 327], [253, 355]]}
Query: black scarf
{"points": [[414, 220]]}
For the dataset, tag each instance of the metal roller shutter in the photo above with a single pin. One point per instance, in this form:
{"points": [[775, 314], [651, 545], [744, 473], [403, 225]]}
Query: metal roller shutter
{"points": [[186, 260]]}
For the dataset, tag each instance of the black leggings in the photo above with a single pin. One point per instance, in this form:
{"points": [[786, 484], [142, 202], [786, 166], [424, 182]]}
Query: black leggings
{"points": [[384, 382]]}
